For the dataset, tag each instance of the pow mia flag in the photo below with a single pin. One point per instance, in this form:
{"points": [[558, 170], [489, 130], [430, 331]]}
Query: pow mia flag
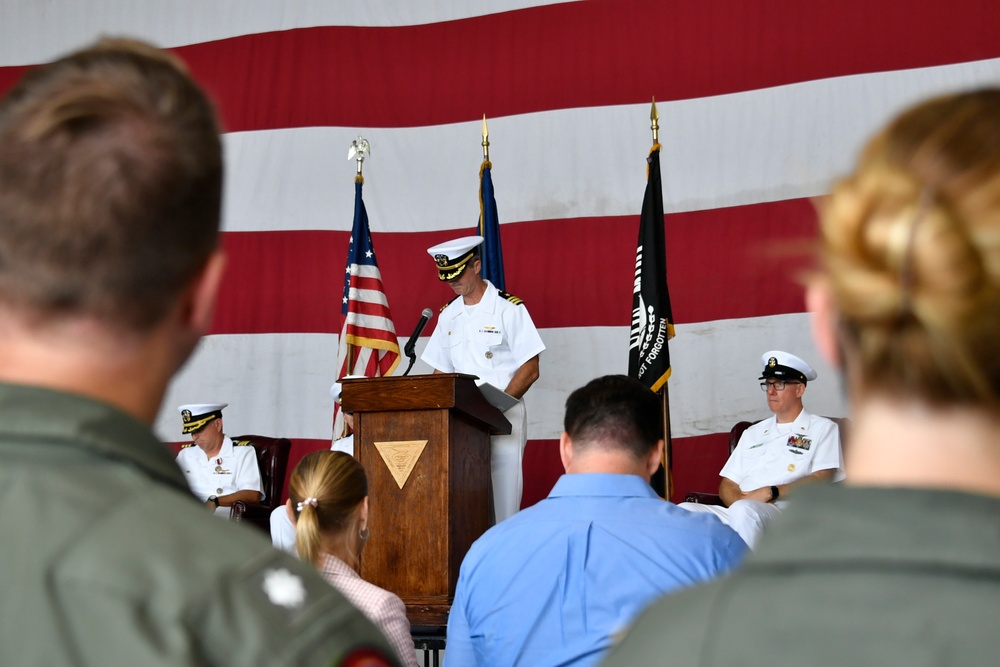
{"points": [[652, 320]]}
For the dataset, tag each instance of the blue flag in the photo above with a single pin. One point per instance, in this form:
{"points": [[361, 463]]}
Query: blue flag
{"points": [[489, 229]]}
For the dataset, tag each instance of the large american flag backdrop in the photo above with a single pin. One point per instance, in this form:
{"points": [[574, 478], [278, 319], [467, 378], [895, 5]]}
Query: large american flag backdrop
{"points": [[762, 103]]}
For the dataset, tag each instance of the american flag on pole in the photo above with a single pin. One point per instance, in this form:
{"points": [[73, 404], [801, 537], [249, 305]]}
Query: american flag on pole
{"points": [[368, 344]]}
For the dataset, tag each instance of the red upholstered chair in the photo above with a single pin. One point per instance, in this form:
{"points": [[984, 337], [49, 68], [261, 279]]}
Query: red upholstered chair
{"points": [[272, 459], [735, 433]]}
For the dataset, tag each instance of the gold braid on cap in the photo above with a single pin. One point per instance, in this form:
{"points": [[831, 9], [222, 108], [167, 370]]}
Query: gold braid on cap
{"points": [[192, 425], [449, 271]]}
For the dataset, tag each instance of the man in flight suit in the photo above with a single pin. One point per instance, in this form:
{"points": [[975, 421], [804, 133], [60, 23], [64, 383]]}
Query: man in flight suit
{"points": [[110, 200]]}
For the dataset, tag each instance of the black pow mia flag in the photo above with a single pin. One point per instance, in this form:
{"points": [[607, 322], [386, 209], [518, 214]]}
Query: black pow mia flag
{"points": [[652, 320]]}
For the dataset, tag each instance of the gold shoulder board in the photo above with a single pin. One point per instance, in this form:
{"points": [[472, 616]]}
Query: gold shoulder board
{"points": [[510, 297]]}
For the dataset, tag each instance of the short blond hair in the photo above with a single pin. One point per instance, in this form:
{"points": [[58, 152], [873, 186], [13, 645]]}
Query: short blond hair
{"points": [[911, 251]]}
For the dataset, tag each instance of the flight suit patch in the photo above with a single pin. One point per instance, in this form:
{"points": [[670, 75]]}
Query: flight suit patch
{"points": [[283, 588]]}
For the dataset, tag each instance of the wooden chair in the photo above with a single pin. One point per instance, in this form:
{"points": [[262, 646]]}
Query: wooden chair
{"points": [[735, 433], [272, 460]]}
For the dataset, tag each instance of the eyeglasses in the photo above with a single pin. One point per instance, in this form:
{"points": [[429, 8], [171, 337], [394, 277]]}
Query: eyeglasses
{"points": [[779, 385]]}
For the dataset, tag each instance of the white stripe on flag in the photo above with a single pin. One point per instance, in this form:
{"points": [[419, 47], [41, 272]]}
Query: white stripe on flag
{"points": [[34, 32], [746, 148], [713, 385]]}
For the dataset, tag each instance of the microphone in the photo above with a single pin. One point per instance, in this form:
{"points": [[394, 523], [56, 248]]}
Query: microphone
{"points": [[412, 343]]}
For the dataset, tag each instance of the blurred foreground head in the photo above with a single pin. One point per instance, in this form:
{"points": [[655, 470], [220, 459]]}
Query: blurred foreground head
{"points": [[110, 186], [911, 257]]}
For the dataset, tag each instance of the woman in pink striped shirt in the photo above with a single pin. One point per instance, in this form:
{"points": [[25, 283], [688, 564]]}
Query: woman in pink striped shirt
{"points": [[328, 499]]}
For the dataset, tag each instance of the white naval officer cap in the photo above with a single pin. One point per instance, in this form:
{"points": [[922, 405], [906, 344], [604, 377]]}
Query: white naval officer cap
{"points": [[785, 366], [453, 256], [197, 415]]}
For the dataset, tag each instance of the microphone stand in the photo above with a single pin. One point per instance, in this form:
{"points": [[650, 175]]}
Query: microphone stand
{"points": [[413, 357], [410, 348]]}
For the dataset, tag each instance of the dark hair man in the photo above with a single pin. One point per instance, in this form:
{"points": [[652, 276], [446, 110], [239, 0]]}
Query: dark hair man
{"points": [[556, 582]]}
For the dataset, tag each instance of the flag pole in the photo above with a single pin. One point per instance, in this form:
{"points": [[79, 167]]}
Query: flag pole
{"points": [[486, 141], [488, 225], [359, 150], [668, 483], [654, 123]]}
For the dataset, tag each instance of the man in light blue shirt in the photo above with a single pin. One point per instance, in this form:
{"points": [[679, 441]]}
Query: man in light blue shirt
{"points": [[556, 582]]}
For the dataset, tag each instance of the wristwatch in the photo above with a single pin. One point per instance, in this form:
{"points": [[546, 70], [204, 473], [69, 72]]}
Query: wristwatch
{"points": [[215, 499], [774, 493]]}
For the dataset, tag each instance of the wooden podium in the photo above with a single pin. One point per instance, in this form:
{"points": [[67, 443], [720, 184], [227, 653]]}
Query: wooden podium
{"points": [[424, 442]]}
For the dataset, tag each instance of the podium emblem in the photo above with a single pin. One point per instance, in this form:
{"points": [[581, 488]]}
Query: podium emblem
{"points": [[400, 456]]}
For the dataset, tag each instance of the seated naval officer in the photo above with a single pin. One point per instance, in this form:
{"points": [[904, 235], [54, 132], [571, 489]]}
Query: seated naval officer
{"points": [[218, 472], [776, 455]]}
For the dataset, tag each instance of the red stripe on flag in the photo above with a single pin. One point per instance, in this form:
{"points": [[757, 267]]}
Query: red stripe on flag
{"points": [[723, 263], [369, 284], [436, 73], [437, 77]]}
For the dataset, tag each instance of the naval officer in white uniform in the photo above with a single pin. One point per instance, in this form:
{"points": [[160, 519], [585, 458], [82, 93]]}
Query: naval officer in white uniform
{"points": [[775, 455], [218, 472], [489, 334]]}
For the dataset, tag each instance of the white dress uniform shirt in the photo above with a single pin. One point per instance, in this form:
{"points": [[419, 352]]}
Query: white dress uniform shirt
{"points": [[772, 454], [232, 469], [490, 340], [345, 444]]}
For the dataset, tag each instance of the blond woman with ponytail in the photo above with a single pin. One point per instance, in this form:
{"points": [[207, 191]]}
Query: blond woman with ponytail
{"points": [[900, 564], [328, 503]]}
